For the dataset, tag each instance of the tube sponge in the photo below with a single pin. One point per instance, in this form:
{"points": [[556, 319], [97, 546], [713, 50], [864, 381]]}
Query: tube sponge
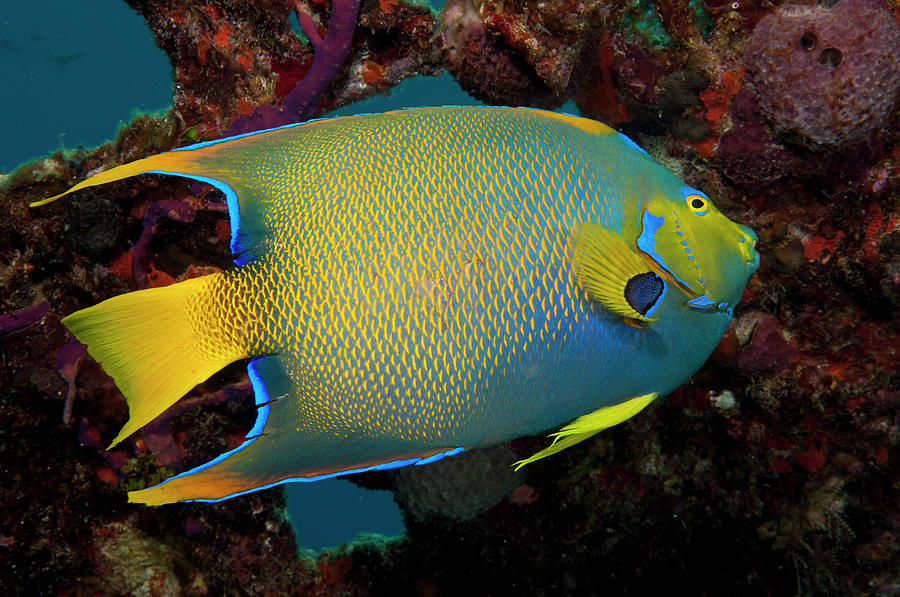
{"points": [[826, 78]]}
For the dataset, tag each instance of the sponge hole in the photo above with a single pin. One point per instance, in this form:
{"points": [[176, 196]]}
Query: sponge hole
{"points": [[830, 57], [808, 41]]}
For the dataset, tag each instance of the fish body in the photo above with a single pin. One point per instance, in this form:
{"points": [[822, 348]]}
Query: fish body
{"points": [[415, 283]]}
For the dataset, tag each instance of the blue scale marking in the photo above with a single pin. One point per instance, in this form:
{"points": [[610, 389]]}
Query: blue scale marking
{"points": [[702, 302], [231, 200], [687, 191], [646, 242]]}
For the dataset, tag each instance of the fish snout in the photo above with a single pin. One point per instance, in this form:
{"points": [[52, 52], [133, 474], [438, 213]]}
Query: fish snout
{"points": [[737, 268], [747, 245]]}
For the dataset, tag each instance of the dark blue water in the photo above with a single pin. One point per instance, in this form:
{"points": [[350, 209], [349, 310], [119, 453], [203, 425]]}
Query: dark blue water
{"points": [[73, 73]]}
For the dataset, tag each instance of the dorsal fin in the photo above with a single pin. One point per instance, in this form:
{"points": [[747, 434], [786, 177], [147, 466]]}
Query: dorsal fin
{"points": [[231, 165]]}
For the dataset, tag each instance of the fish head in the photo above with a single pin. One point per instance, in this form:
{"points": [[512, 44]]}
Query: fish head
{"points": [[696, 247]]}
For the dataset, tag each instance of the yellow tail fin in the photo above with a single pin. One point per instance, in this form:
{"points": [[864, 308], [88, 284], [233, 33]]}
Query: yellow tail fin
{"points": [[149, 342]]}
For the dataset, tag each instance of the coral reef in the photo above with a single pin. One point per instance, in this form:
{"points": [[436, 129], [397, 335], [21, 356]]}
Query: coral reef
{"points": [[775, 470], [826, 77], [521, 53], [231, 58], [483, 66], [330, 52]]}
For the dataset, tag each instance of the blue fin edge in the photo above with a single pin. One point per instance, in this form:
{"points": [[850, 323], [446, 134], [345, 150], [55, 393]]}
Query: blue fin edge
{"points": [[658, 302], [261, 398], [234, 212], [375, 467], [628, 140], [203, 144], [631, 143]]}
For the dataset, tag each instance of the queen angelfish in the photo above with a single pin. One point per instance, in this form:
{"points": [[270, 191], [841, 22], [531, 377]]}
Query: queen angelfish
{"points": [[412, 284]]}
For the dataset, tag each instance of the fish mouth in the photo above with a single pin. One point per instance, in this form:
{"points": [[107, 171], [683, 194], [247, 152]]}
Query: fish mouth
{"points": [[746, 242], [747, 246]]}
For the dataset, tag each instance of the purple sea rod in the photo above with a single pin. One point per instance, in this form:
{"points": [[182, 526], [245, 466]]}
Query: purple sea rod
{"points": [[330, 51]]}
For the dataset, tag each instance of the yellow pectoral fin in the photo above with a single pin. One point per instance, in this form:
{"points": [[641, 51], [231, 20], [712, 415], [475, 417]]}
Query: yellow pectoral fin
{"points": [[613, 274], [590, 424]]}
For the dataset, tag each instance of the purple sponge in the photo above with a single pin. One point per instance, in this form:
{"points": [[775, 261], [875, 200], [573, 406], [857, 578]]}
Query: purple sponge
{"points": [[826, 78]]}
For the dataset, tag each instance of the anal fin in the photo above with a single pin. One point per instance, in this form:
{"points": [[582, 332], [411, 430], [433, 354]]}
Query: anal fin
{"points": [[281, 448], [590, 424]]}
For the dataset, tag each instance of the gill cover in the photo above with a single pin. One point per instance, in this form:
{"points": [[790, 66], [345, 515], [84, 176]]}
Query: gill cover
{"points": [[705, 254]]}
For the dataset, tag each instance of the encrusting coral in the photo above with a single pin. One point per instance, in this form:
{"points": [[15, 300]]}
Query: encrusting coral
{"points": [[515, 53]]}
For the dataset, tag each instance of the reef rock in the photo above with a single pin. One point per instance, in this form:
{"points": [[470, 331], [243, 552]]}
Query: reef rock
{"points": [[458, 488], [531, 53]]}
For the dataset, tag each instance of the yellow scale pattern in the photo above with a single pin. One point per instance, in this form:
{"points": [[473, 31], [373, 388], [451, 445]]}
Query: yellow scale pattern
{"points": [[246, 330], [405, 275]]}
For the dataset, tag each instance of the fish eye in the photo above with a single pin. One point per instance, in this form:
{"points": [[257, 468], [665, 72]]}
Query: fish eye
{"points": [[698, 204]]}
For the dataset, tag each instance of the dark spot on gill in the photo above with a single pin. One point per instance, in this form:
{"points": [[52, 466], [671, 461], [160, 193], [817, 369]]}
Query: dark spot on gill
{"points": [[643, 290]]}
